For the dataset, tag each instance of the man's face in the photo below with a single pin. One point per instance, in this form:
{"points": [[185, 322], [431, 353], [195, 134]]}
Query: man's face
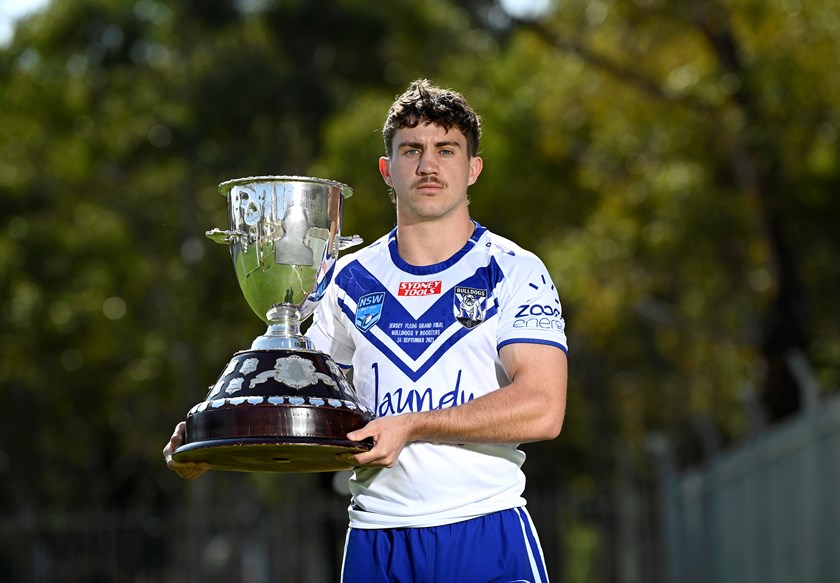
{"points": [[429, 170]]}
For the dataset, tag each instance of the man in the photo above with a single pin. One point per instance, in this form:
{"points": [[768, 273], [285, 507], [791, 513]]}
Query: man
{"points": [[461, 352]]}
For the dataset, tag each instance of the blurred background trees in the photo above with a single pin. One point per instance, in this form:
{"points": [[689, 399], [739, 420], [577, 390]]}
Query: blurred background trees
{"points": [[672, 162]]}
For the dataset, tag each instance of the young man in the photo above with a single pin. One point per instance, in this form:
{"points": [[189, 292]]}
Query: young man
{"points": [[456, 341]]}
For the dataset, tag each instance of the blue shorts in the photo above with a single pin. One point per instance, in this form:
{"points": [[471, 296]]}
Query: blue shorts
{"points": [[500, 547]]}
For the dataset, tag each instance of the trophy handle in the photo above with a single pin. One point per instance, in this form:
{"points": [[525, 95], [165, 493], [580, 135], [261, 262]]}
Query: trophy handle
{"points": [[347, 242], [224, 237]]}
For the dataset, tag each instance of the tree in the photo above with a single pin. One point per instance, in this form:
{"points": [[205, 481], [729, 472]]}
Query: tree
{"points": [[119, 120], [674, 163], [690, 144]]}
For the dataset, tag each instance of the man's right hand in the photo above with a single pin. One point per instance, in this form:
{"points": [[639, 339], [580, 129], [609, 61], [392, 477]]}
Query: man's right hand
{"points": [[187, 470]]}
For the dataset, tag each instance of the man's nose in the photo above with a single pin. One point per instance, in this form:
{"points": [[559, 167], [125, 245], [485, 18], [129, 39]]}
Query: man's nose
{"points": [[427, 163]]}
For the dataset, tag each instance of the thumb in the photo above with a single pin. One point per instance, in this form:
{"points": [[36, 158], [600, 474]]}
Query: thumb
{"points": [[360, 434]]}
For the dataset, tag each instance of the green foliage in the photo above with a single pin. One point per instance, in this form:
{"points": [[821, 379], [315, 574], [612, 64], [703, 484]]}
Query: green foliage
{"points": [[118, 120], [673, 163], [640, 147]]}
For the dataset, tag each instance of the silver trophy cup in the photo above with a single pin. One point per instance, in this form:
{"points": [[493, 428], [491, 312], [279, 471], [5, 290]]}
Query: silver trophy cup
{"points": [[281, 405]]}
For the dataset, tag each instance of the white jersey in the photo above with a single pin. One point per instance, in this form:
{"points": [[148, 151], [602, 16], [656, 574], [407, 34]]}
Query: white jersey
{"points": [[426, 338]]}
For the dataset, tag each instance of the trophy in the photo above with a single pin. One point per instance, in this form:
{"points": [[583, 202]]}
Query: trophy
{"points": [[281, 405]]}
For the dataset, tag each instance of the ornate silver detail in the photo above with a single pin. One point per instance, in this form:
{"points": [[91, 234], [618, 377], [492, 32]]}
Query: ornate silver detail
{"points": [[249, 366], [215, 389], [234, 385], [278, 400], [231, 366], [334, 368], [293, 371], [326, 380]]}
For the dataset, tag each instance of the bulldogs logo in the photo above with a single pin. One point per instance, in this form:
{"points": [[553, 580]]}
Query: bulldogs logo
{"points": [[469, 306]]}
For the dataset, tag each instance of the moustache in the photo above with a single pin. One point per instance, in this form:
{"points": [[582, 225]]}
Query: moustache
{"points": [[428, 180]]}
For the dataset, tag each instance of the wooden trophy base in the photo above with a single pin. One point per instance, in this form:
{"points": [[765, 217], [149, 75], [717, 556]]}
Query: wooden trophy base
{"points": [[291, 412], [266, 455]]}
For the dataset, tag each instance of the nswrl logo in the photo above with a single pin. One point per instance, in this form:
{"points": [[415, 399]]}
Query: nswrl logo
{"points": [[368, 310]]}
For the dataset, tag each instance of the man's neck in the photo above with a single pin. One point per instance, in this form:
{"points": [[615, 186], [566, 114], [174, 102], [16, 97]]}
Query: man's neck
{"points": [[428, 243]]}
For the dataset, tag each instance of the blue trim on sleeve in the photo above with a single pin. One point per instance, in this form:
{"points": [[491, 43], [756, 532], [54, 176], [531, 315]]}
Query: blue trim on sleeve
{"points": [[532, 341]]}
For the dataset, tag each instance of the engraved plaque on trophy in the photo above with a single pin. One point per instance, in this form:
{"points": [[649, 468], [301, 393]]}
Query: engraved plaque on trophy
{"points": [[281, 405]]}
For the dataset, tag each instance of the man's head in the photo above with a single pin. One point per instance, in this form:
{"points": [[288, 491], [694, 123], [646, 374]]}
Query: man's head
{"points": [[427, 103]]}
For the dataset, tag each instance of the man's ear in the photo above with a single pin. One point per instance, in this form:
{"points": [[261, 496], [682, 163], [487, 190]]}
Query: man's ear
{"points": [[476, 164], [385, 170]]}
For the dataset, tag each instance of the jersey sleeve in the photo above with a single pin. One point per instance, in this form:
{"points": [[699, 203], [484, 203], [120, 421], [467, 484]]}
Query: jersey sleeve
{"points": [[328, 331], [529, 306]]}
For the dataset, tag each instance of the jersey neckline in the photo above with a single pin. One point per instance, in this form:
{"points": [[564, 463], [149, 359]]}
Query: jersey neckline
{"points": [[402, 265]]}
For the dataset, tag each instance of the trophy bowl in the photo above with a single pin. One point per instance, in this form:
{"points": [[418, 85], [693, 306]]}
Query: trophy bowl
{"points": [[280, 406]]}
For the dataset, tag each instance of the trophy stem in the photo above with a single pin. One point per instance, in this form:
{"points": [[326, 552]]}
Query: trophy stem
{"points": [[283, 330]]}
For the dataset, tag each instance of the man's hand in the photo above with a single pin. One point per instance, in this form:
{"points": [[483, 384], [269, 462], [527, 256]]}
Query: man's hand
{"points": [[187, 470], [390, 435]]}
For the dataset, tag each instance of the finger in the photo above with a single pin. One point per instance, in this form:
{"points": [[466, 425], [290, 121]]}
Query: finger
{"points": [[169, 449], [375, 458], [188, 470], [176, 440], [365, 459], [195, 471], [189, 474], [179, 433]]}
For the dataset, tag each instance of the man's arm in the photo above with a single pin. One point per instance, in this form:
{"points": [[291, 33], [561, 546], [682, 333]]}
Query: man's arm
{"points": [[530, 408]]}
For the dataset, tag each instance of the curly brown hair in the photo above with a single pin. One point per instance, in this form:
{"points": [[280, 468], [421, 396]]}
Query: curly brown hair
{"points": [[427, 103]]}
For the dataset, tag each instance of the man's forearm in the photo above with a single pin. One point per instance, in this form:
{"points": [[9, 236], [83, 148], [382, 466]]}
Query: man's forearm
{"points": [[512, 414]]}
